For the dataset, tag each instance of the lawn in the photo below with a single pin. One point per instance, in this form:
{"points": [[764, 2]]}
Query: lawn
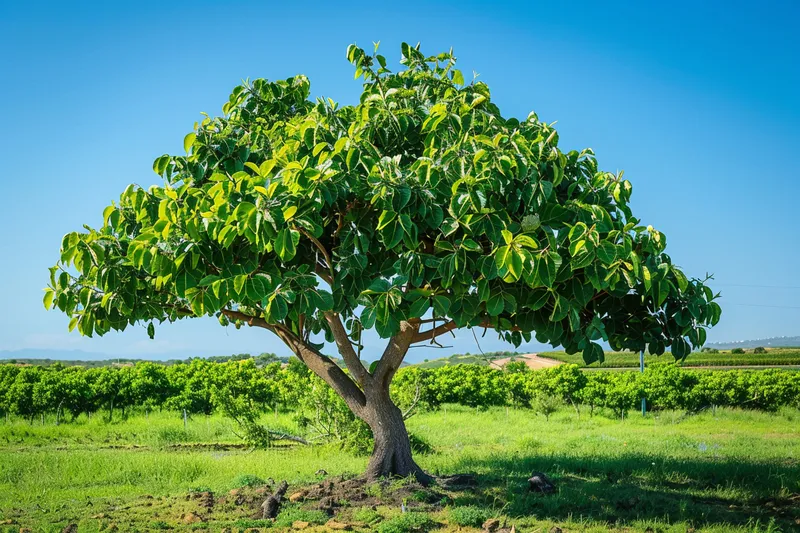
{"points": [[723, 472]]}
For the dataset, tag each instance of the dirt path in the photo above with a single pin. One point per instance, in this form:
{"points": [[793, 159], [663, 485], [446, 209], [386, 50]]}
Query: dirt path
{"points": [[533, 361]]}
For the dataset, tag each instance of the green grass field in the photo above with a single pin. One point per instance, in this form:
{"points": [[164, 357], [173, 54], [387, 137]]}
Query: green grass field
{"points": [[729, 471], [773, 356]]}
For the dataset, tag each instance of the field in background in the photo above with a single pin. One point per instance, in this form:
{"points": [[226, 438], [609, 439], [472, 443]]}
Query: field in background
{"points": [[732, 471], [771, 357]]}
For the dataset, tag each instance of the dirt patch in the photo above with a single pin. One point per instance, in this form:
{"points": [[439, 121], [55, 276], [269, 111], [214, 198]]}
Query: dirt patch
{"points": [[333, 493], [533, 361]]}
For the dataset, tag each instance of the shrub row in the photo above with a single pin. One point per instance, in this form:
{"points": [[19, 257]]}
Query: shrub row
{"points": [[202, 387], [665, 386]]}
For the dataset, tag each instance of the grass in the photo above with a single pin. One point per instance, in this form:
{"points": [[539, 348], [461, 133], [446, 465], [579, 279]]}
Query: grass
{"points": [[733, 471]]}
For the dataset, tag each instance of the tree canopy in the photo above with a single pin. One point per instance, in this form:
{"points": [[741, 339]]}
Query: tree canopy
{"points": [[419, 205]]}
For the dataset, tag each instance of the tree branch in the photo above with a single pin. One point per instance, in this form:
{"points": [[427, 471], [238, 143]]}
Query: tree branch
{"points": [[321, 249], [318, 363], [346, 348], [446, 327], [394, 353], [429, 334]]}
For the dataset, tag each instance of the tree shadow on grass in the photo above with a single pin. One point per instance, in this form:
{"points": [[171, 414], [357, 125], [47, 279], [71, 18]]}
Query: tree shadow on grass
{"points": [[638, 487]]}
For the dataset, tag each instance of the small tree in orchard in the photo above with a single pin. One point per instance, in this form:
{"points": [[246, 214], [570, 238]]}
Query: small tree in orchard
{"points": [[416, 212]]}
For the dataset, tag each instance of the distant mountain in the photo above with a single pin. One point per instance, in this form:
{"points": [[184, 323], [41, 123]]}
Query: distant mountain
{"points": [[771, 342], [93, 359]]}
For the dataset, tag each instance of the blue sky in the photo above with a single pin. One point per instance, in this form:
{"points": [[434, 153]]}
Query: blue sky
{"points": [[699, 104]]}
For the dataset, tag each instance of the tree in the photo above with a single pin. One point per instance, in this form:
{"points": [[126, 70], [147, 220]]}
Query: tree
{"points": [[416, 212]]}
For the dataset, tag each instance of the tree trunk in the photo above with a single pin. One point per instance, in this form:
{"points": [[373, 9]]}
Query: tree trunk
{"points": [[391, 454]]}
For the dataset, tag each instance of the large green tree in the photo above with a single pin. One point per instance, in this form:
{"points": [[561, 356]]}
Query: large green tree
{"points": [[417, 211]]}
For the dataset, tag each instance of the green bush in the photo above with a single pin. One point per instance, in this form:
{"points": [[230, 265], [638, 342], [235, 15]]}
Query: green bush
{"points": [[366, 515], [545, 404], [759, 349], [406, 523], [737, 351], [469, 516], [248, 480]]}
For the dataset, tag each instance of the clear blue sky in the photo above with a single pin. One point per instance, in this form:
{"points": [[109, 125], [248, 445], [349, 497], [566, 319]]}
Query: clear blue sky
{"points": [[697, 101]]}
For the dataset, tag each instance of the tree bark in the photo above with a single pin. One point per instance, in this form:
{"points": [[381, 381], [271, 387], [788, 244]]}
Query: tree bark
{"points": [[391, 453], [365, 393]]}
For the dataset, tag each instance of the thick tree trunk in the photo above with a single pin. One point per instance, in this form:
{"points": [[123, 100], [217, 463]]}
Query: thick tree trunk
{"points": [[391, 454]]}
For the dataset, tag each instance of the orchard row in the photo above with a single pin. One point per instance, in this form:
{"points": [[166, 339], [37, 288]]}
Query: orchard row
{"points": [[203, 387]]}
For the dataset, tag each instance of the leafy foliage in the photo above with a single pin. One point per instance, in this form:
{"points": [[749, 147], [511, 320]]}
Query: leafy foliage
{"points": [[421, 200]]}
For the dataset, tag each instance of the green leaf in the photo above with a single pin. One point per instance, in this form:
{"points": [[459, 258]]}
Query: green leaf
{"points": [[49, 295], [471, 246], [256, 288], [683, 283], [188, 141], [238, 283], [324, 300], [286, 244], [386, 218], [495, 305], [607, 252], [458, 78], [593, 352]]}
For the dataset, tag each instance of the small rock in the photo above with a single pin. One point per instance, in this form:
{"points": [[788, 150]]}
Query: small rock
{"points": [[321, 472], [298, 496], [339, 526], [555, 529], [191, 518], [299, 524], [25, 530], [70, 528], [491, 525], [539, 482]]}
